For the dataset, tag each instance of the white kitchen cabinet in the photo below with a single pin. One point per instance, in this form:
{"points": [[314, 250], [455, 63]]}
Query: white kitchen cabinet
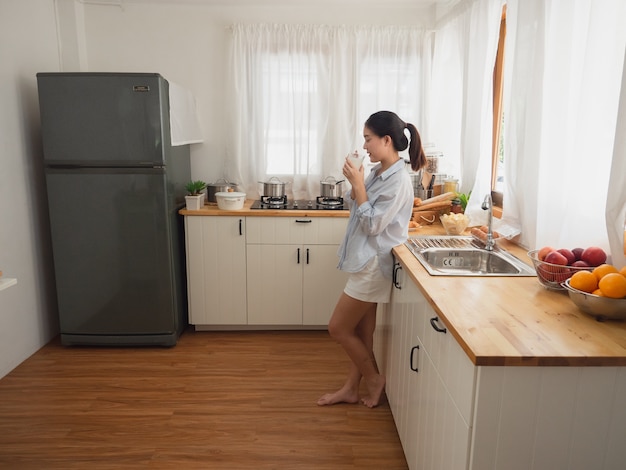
{"points": [[274, 285], [216, 270], [292, 275], [452, 414], [433, 431]]}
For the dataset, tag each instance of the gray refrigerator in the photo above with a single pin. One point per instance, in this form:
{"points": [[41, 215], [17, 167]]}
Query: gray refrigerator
{"points": [[114, 185]]}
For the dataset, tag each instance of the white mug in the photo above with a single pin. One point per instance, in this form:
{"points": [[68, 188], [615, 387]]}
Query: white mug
{"points": [[355, 159]]}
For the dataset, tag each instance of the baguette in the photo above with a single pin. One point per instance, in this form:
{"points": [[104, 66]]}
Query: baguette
{"points": [[441, 198], [433, 206]]}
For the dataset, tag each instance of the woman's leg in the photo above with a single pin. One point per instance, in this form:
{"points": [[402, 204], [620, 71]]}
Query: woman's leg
{"points": [[365, 331], [349, 393], [352, 325]]}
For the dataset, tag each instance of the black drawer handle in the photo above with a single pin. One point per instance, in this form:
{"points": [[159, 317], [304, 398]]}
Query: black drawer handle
{"points": [[240, 224], [433, 323], [298, 255], [413, 349], [298, 221], [396, 267], [307, 256]]}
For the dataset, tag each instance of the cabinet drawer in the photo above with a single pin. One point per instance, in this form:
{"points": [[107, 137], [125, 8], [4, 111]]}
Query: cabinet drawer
{"points": [[295, 230]]}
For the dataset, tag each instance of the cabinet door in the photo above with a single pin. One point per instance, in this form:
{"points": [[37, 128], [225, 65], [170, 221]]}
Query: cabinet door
{"points": [[429, 404], [216, 270], [274, 280], [323, 283], [395, 366]]}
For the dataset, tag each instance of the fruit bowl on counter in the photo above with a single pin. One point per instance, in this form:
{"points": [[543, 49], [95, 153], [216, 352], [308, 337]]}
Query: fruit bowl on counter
{"points": [[600, 307], [552, 275]]}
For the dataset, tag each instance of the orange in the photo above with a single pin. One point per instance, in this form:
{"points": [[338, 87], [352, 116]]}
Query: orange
{"points": [[613, 285], [623, 271], [585, 281], [598, 292], [603, 270]]}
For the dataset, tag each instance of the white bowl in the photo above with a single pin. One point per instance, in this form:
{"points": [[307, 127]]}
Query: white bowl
{"points": [[230, 201]]}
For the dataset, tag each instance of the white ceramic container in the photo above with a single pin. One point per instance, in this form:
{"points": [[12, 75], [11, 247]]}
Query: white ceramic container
{"points": [[230, 201]]}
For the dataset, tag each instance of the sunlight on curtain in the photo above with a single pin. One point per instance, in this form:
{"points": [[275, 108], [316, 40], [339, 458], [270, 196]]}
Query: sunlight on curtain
{"points": [[462, 102], [616, 201], [562, 87], [300, 95]]}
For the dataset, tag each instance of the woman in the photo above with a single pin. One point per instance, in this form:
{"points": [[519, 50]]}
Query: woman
{"points": [[380, 209]]}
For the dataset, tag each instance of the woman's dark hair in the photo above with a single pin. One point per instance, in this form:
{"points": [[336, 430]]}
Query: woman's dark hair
{"points": [[388, 123]]}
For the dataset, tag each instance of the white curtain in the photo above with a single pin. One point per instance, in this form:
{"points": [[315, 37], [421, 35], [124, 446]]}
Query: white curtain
{"points": [[461, 107], [301, 93], [565, 169], [616, 200]]}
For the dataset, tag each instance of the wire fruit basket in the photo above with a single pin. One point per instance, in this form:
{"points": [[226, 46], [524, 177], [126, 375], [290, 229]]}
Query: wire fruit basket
{"points": [[553, 275]]}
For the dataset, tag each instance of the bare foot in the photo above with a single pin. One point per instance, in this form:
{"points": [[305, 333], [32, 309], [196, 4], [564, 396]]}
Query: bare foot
{"points": [[375, 387], [340, 396]]}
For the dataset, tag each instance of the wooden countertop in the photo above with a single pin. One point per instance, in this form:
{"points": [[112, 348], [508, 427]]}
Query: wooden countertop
{"points": [[515, 321], [213, 210]]}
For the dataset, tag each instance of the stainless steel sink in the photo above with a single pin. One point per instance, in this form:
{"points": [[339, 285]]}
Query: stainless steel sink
{"points": [[465, 256]]}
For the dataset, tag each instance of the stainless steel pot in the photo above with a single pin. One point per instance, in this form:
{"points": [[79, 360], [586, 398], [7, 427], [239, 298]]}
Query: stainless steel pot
{"points": [[220, 186], [273, 188], [331, 188]]}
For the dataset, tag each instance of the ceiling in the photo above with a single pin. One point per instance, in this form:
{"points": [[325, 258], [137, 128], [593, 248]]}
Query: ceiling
{"points": [[356, 3]]}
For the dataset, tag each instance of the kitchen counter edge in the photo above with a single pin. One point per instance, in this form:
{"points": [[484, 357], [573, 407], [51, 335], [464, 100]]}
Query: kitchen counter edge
{"points": [[213, 210], [515, 321]]}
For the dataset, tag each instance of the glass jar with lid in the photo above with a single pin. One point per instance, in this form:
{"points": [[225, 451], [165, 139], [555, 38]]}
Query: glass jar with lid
{"points": [[451, 185]]}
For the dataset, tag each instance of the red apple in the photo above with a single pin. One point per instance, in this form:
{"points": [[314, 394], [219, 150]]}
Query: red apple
{"points": [[593, 256], [554, 257], [557, 264], [543, 273], [580, 264], [553, 273], [571, 257], [578, 253], [541, 254], [563, 276]]}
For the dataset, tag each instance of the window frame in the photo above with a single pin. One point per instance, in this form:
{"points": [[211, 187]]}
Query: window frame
{"points": [[498, 78]]}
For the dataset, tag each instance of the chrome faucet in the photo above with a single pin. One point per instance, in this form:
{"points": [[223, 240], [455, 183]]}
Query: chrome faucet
{"points": [[488, 206]]}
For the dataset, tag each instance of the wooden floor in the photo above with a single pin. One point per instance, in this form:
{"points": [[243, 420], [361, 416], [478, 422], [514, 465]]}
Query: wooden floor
{"points": [[218, 400]]}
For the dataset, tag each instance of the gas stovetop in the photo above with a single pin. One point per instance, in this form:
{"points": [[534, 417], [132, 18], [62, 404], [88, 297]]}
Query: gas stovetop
{"points": [[320, 203]]}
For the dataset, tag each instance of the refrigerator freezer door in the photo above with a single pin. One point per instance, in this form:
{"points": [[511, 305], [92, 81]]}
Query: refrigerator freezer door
{"points": [[122, 119], [113, 254]]}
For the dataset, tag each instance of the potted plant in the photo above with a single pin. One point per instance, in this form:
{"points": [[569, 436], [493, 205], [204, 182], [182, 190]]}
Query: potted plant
{"points": [[195, 198]]}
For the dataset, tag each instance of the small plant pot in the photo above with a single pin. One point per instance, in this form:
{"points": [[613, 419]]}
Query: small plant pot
{"points": [[194, 203]]}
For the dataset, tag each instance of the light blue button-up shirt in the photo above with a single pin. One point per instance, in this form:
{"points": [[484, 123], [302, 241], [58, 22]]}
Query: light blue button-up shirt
{"points": [[380, 223]]}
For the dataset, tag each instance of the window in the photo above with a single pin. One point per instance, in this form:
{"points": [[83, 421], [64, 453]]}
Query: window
{"points": [[301, 93], [291, 80]]}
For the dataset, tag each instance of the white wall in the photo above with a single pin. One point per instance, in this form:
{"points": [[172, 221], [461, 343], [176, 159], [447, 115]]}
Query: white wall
{"points": [[28, 44], [185, 43]]}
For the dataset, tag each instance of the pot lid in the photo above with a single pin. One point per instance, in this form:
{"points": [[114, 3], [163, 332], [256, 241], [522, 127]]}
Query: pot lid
{"points": [[222, 182]]}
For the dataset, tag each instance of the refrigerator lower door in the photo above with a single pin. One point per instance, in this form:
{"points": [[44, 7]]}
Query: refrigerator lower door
{"points": [[116, 256]]}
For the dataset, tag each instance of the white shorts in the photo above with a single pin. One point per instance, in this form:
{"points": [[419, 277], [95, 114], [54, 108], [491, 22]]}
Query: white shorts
{"points": [[369, 285]]}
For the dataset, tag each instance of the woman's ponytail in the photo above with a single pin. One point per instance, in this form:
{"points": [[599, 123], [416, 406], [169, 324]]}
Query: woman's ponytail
{"points": [[416, 152]]}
